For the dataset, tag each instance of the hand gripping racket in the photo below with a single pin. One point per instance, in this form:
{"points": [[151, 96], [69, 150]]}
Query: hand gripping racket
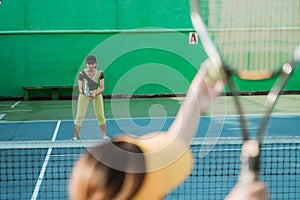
{"points": [[254, 40]]}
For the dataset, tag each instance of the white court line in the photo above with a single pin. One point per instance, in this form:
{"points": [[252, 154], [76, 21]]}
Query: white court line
{"points": [[43, 170], [15, 104], [9, 111], [138, 118], [2, 115]]}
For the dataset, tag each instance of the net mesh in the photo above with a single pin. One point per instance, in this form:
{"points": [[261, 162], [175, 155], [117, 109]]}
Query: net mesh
{"points": [[253, 35], [41, 170]]}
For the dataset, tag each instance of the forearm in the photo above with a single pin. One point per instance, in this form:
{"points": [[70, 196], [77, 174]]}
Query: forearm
{"points": [[99, 91], [80, 87], [200, 97], [101, 88]]}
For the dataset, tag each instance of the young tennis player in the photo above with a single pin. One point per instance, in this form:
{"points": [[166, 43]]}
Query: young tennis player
{"points": [[91, 87], [151, 166]]}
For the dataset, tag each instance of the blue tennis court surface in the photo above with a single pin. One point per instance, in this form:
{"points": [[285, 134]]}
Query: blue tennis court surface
{"points": [[279, 125], [43, 173]]}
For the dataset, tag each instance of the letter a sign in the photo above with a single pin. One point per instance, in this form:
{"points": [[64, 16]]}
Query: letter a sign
{"points": [[193, 38]]}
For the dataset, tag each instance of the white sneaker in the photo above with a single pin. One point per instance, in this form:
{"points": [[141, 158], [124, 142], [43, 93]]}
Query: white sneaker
{"points": [[106, 137], [73, 139]]}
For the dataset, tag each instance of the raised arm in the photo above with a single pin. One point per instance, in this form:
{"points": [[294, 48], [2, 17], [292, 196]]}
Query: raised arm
{"points": [[205, 87]]}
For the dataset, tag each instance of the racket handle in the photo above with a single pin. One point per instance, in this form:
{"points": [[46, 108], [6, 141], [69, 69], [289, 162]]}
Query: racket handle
{"points": [[250, 162]]}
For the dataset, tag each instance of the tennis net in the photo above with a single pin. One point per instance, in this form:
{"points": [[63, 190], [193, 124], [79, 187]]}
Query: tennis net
{"points": [[41, 170]]}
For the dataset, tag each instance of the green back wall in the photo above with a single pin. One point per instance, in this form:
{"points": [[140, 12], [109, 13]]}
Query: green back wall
{"points": [[45, 42]]}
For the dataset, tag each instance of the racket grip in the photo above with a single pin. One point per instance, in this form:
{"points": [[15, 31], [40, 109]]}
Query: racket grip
{"points": [[254, 163], [250, 162]]}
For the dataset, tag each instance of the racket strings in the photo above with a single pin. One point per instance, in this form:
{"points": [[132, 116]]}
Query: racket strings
{"points": [[254, 35]]}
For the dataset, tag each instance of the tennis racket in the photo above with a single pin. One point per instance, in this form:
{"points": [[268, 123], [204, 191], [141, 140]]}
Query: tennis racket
{"points": [[254, 40], [85, 87]]}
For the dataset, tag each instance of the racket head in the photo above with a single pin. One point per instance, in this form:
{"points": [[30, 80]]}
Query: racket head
{"points": [[254, 39], [85, 87]]}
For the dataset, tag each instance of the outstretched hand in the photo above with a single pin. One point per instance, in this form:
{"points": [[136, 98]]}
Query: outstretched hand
{"points": [[255, 191], [92, 95]]}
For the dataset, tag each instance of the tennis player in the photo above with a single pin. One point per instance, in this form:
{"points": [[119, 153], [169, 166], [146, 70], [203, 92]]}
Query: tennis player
{"points": [[94, 79], [151, 166]]}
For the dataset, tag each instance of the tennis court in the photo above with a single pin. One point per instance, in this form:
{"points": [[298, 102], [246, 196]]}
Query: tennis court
{"points": [[37, 156], [149, 53]]}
